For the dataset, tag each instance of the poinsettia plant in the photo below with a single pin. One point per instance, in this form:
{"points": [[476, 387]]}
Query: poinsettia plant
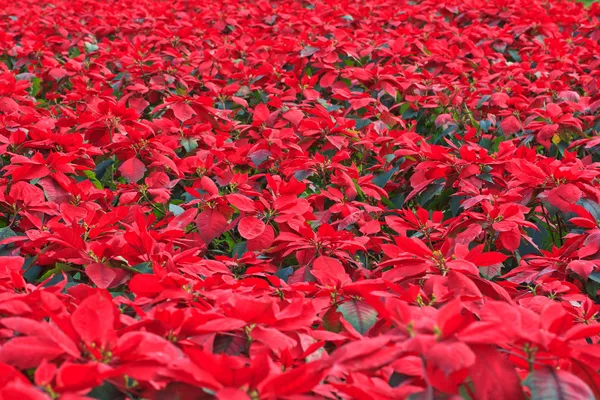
{"points": [[299, 199]]}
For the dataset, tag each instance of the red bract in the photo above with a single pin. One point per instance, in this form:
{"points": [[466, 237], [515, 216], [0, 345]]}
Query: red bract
{"points": [[299, 199]]}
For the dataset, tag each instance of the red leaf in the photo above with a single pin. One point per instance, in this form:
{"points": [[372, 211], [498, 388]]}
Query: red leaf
{"points": [[360, 351], [582, 331], [183, 219], [463, 266], [182, 111], [77, 377], [499, 100], [210, 224], [100, 274], [328, 78], [145, 285], [58, 73], [450, 356], [294, 381], [241, 202], [486, 259], [329, 272], [553, 110], [28, 351], [139, 346], [263, 241], [209, 186], [356, 104], [12, 263], [545, 135], [251, 227], [231, 394], [294, 116], [240, 101], [582, 268], [510, 240], [272, 338], [452, 318], [331, 320], [261, 114], [133, 170], [510, 125], [93, 320], [44, 373], [53, 191], [493, 376], [8, 105], [564, 196], [412, 246]]}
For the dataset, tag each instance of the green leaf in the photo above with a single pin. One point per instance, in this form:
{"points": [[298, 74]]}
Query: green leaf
{"points": [[361, 123], [6, 233], [175, 209], [106, 392], [592, 287], [591, 206], [189, 144], [56, 279], [464, 393], [302, 174], [32, 273], [432, 190], [397, 379], [515, 55], [441, 201], [388, 203], [455, 204], [359, 192], [595, 276], [490, 271], [144, 268], [486, 177], [259, 156], [36, 86], [383, 178], [284, 273], [359, 314], [403, 108], [550, 384], [229, 344], [308, 51], [58, 268], [239, 249], [90, 47], [102, 167], [92, 177], [395, 202], [74, 52]]}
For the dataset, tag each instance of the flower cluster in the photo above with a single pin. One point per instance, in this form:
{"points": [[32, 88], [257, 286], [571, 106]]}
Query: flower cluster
{"points": [[294, 199]]}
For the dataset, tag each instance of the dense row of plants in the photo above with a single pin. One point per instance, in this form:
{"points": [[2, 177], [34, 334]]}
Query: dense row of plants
{"points": [[294, 199]]}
